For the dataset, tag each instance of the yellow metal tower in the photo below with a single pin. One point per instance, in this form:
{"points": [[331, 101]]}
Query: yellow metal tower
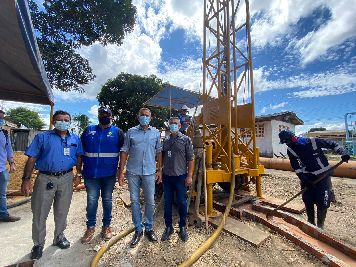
{"points": [[227, 114]]}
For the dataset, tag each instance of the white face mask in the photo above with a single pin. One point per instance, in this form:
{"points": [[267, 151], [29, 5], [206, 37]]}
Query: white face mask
{"points": [[62, 125]]}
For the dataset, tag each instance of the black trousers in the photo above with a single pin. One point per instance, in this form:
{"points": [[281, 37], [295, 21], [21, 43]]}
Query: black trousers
{"points": [[321, 214]]}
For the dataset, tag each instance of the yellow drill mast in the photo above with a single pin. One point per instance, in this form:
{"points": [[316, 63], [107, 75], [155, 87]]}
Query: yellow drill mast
{"points": [[227, 114]]}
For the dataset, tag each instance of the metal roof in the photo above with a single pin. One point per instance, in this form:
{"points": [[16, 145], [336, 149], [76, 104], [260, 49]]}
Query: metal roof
{"points": [[174, 97], [286, 116], [22, 74]]}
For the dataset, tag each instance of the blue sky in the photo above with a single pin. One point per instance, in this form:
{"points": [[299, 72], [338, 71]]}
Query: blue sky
{"points": [[304, 57]]}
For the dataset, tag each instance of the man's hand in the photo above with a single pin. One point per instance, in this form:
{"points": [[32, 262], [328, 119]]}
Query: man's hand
{"points": [[12, 167], [77, 179], [26, 187], [305, 181], [345, 158], [159, 177], [120, 179], [188, 180]]}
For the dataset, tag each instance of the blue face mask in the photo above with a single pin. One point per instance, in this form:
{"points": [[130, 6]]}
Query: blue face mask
{"points": [[144, 120], [62, 125], [173, 128], [2, 122]]}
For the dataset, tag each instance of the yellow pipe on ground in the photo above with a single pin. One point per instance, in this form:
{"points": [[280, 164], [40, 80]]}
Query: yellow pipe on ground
{"points": [[107, 246], [209, 242], [347, 170]]}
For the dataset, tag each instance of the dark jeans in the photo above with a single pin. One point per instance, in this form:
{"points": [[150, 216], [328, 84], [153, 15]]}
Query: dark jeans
{"points": [[103, 186], [176, 184]]}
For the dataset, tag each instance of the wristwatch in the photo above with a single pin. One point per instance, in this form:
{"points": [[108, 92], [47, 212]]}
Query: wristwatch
{"points": [[26, 178]]}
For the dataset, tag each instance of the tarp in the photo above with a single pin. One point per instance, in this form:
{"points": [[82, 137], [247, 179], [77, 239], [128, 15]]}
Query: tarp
{"points": [[22, 74], [174, 97]]}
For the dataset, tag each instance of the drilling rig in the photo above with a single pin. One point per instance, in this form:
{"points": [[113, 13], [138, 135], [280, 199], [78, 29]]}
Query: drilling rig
{"points": [[227, 119]]}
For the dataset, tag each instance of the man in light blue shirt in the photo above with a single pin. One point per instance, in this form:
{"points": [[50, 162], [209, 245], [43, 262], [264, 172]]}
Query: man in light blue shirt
{"points": [[143, 148], [6, 155]]}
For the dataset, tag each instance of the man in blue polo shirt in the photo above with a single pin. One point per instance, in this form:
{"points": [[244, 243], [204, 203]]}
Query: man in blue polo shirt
{"points": [[53, 153], [6, 155], [142, 148], [101, 144]]}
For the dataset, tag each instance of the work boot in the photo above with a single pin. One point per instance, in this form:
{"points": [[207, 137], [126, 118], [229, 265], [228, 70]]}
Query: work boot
{"points": [[10, 218], [36, 252], [183, 234], [106, 233], [61, 242], [88, 235], [135, 239], [167, 233], [151, 236]]}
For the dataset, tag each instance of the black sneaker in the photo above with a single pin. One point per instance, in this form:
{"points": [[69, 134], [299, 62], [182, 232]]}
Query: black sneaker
{"points": [[10, 218], [151, 236], [167, 233], [36, 252], [183, 234], [135, 239], [61, 242]]}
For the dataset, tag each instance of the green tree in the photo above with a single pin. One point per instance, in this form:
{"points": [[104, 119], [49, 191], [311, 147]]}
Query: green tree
{"points": [[63, 26], [82, 121], [127, 93], [26, 117], [317, 129]]}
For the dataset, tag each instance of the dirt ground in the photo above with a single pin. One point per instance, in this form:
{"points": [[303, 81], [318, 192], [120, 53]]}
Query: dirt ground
{"points": [[227, 251], [230, 250]]}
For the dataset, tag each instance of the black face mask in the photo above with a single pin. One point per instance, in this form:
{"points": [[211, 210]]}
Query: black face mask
{"points": [[104, 120]]}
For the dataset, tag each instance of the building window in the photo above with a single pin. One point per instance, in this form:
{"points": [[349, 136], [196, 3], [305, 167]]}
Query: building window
{"points": [[246, 132], [260, 130], [283, 127]]}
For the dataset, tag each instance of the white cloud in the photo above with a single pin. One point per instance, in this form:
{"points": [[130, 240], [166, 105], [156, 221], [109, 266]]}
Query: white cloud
{"points": [[340, 28], [308, 85], [273, 107]]}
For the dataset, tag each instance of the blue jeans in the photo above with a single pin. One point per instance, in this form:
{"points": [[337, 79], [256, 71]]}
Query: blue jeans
{"points": [[4, 180], [147, 182], [95, 187], [177, 184]]}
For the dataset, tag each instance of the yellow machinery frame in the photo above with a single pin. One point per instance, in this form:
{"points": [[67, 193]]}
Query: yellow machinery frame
{"points": [[227, 116]]}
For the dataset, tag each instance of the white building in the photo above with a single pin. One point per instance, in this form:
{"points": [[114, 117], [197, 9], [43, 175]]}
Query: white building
{"points": [[267, 129]]}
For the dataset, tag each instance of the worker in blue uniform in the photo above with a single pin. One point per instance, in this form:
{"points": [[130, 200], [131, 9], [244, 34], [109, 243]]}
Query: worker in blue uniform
{"points": [[309, 162], [101, 145]]}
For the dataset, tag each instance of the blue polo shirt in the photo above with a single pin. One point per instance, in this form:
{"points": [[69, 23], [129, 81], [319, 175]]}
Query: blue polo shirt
{"points": [[142, 146], [54, 153]]}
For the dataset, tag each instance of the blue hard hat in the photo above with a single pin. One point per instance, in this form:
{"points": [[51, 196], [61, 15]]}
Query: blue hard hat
{"points": [[285, 136]]}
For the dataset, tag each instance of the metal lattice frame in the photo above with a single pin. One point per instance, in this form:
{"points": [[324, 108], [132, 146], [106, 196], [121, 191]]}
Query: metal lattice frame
{"points": [[228, 75]]}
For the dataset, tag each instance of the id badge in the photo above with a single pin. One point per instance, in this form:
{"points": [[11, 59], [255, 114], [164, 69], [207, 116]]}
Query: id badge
{"points": [[66, 151], [169, 153]]}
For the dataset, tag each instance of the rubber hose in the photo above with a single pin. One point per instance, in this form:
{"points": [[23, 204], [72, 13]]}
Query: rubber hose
{"points": [[210, 241], [18, 203], [107, 246]]}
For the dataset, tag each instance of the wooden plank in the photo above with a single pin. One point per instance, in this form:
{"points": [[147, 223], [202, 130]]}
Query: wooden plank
{"points": [[125, 197], [293, 207], [246, 232]]}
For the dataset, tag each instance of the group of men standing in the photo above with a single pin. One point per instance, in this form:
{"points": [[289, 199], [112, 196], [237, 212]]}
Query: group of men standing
{"points": [[101, 155]]}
